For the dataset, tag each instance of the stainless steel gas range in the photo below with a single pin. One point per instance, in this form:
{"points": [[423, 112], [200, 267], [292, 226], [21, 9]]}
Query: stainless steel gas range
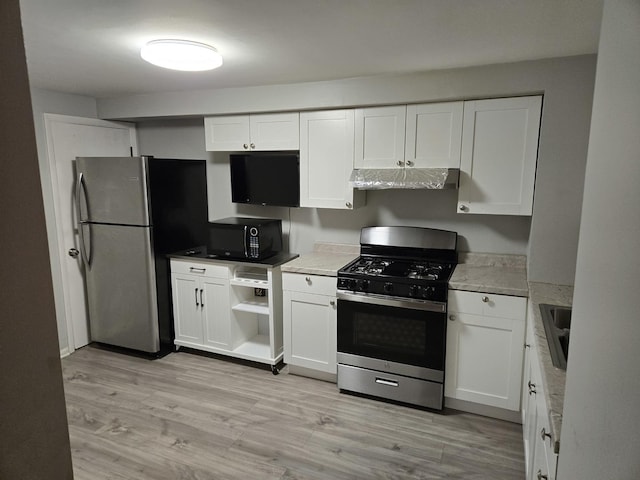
{"points": [[392, 310]]}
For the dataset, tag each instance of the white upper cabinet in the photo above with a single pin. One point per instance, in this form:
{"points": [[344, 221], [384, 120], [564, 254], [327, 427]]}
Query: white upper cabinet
{"points": [[380, 137], [326, 160], [499, 153], [434, 135], [422, 136], [256, 132]]}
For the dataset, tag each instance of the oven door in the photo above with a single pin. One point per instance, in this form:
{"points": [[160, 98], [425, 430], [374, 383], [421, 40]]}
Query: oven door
{"points": [[398, 335]]}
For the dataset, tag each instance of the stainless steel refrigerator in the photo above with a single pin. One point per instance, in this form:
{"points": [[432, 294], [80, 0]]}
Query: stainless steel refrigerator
{"points": [[132, 212]]}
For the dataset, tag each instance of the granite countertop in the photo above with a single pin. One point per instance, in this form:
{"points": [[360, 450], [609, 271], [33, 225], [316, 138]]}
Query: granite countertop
{"points": [[553, 379], [326, 259], [491, 273]]}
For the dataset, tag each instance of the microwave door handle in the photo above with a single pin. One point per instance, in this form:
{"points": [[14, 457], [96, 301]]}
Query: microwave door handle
{"points": [[246, 250]]}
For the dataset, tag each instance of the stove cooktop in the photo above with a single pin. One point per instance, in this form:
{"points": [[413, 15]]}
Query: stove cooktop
{"points": [[411, 278]]}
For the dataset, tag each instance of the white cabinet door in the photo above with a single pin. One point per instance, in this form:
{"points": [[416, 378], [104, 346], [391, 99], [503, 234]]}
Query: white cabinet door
{"points": [[434, 135], [499, 153], [217, 318], [227, 134], [236, 133], [380, 137], [187, 310], [310, 333], [326, 160], [277, 131], [485, 349]]}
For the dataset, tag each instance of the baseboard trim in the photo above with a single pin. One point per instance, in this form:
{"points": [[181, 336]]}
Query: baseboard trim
{"points": [[308, 372], [64, 352], [484, 410]]}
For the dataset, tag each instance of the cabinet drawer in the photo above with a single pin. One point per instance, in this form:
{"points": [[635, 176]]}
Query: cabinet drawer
{"points": [[487, 304], [318, 284], [202, 269]]}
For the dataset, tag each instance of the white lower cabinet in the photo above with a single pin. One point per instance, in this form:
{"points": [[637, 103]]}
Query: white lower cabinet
{"points": [[231, 309], [199, 301], [310, 322], [540, 458], [485, 344]]}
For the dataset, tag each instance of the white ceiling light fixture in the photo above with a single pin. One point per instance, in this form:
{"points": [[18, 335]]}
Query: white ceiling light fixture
{"points": [[183, 55]]}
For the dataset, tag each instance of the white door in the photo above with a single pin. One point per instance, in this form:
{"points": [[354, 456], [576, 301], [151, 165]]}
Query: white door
{"points": [[379, 136], [68, 138], [434, 135], [326, 159], [499, 154]]}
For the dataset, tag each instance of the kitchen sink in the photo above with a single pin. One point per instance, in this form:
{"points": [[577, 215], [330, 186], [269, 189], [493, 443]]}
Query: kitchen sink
{"points": [[557, 326]]}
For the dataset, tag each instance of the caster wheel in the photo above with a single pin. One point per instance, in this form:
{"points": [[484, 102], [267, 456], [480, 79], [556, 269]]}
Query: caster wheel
{"points": [[275, 370]]}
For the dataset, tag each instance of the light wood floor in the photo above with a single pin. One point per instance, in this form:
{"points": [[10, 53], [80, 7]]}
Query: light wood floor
{"points": [[192, 417]]}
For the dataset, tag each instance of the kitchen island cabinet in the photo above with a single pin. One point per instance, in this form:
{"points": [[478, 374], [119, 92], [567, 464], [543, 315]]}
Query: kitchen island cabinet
{"points": [[201, 305], [229, 308], [485, 346], [255, 132]]}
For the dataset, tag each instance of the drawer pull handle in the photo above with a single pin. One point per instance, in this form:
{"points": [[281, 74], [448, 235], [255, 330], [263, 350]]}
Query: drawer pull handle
{"points": [[389, 383], [201, 299], [540, 476], [197, 304], [197, 270], [544, 435]]}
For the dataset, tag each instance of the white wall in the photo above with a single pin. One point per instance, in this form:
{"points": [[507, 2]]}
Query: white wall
{"points": [[45, 101], [549, 237], [600, 435]]}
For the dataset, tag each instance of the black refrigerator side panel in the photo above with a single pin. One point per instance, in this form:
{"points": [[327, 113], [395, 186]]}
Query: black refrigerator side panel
{"points": [[178, 191]]}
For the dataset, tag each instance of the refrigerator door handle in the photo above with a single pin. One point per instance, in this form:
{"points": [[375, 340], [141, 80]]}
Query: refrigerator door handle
{"points": [[80, 188]]}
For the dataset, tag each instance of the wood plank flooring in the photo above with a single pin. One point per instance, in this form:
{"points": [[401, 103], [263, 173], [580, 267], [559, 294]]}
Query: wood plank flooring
{"points": [[193, 417]]}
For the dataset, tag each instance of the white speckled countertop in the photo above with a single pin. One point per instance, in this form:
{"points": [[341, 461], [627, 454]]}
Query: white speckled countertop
{"points": [[326, 259], [490, 273], [553, 379]]}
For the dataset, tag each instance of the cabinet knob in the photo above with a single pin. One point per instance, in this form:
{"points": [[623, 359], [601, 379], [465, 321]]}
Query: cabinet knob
{"points": [[400, 163], [485, 299], [532, 387], [348, 204], [462, 208], [308, 280], [409, 163], [253, 145], [452, 318], [332, 303], [544, 434], [245, 146]]}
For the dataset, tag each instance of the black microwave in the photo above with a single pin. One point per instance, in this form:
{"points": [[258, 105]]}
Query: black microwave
{"points": [[245, 238]]}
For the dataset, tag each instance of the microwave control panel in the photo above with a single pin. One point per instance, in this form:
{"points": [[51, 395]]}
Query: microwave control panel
{"points": [[254, 244]]}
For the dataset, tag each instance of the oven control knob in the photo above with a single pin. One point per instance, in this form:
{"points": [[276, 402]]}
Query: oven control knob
{"points": [[388, 287], [428, 292], [414, 291], [363, 285]]}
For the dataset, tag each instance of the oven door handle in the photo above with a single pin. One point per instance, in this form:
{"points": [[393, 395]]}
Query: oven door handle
{"points": [[398, 302]]}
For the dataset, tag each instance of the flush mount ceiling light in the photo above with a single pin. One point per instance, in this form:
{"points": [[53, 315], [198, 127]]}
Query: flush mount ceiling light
{"points": [[182, 55]]}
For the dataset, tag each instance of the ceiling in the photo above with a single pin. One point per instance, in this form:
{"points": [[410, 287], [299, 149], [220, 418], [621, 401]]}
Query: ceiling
{"points": [[91, 47]]}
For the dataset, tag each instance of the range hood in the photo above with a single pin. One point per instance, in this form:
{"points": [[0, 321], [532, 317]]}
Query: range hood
{"points": [[404, 178]]}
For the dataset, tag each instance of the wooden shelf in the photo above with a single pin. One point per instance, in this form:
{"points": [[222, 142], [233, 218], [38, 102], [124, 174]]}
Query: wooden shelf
{"points": [[257, 348]]}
